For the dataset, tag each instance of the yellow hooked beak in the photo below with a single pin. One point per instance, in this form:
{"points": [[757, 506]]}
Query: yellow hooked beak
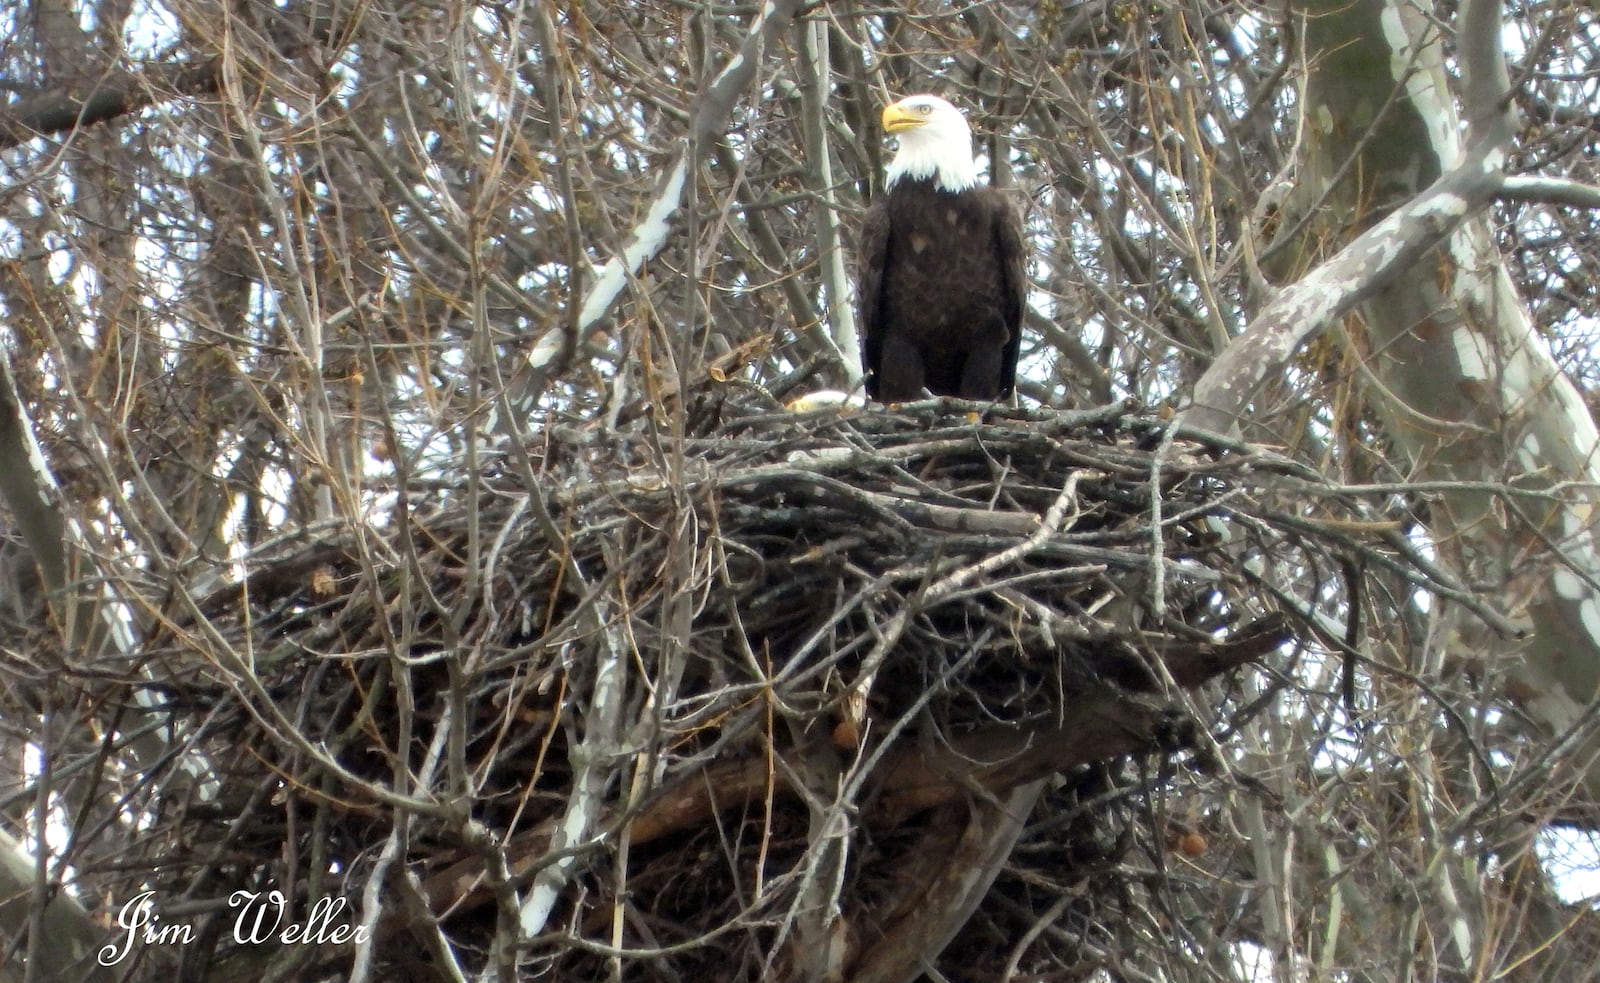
{"points": [[899, 117]]}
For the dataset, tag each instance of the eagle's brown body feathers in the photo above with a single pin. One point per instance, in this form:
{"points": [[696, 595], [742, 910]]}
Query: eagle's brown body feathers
{"points": [[942, 286]]}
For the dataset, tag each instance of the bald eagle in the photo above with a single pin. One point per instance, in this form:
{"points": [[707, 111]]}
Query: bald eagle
{"points": [[942, 276]]}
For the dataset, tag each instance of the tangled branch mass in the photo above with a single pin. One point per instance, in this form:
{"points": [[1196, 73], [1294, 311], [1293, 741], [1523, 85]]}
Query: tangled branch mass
{"points": [[785, 663]]}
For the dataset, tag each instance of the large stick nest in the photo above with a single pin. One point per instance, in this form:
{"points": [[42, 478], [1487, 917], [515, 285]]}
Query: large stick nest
{"points": [[783, 694]]}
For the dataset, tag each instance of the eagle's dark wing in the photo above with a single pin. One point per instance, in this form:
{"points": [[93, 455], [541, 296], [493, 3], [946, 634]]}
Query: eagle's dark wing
{"points": [[1012, 254], [871, 259]]}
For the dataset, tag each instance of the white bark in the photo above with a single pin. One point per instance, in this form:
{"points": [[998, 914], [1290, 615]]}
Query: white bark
{"points": [[1470, 390], [815, 90]]}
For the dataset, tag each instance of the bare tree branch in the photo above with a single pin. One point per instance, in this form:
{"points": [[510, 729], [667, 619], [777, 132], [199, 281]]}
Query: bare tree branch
{"points": [[1550, 191], [1357, 272]]}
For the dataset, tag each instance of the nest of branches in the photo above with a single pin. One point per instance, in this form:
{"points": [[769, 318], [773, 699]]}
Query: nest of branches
{"points": [[790, 696]]}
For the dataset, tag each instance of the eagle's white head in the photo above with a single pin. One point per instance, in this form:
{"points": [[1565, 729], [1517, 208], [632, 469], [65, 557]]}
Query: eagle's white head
{"points": [[935, 142]]}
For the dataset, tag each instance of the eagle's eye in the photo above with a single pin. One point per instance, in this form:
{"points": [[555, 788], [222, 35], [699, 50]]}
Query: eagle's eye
{"points": [[924, 109]]}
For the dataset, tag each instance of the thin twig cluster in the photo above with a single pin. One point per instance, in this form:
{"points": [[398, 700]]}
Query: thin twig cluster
{"points": [[775, 656]]}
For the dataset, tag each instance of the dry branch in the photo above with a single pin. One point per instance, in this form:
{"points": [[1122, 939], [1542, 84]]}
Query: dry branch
{"points": [[1011, 556]]}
